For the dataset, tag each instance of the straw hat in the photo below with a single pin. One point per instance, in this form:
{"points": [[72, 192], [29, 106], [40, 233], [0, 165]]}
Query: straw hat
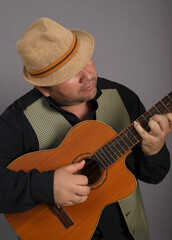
{"points": [[53, 54]]}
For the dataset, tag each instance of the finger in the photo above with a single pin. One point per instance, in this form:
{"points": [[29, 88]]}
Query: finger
{"points": [[81, 180], [78, 199], [75, 199], [169, 117], [141, 131], [82, 191], [72, 168], [155, 128], [162, 120]]}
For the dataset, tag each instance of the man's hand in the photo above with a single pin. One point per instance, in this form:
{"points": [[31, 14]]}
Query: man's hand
{"points": [[70, 188], [153, 141]]}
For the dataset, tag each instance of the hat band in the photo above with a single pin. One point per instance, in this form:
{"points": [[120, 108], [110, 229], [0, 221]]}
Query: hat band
{"points": [[59, 62]]}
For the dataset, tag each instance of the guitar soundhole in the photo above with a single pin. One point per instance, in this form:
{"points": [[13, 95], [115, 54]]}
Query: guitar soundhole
{"points": [[93, 171]]}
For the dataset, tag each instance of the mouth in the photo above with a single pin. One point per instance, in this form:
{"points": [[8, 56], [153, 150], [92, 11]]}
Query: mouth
{"points": [[89, 87]]}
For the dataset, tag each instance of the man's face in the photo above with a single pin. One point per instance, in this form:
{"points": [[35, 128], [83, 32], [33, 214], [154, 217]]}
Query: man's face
{"points": [[80, 88]]}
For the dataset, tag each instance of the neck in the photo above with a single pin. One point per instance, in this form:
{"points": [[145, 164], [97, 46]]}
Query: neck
{"points": [[81, 110]]}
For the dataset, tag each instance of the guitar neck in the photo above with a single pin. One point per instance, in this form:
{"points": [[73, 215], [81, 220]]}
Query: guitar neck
{"points": [[129, 137]]}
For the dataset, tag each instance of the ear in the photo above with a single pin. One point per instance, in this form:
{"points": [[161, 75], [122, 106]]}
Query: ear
{"points": [[43, 90]]}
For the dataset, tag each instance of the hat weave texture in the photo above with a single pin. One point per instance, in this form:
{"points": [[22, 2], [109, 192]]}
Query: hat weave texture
{"points": [[46, 43]]}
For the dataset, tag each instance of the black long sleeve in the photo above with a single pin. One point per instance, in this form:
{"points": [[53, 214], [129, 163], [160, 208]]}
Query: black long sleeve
{"points": [[20, 191]]}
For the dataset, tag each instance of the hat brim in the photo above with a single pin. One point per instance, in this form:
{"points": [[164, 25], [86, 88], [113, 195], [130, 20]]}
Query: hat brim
{"points": [[71, 68]]}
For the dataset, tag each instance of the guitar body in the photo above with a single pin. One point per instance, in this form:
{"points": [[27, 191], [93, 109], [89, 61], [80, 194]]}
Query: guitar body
{"points": [[114, 184]]}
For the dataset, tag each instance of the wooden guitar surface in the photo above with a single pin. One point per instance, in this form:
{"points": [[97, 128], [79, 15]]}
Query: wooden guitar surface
{"points": [[115, 183]]}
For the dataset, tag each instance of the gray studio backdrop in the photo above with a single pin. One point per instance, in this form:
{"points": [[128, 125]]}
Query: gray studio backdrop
{"points": [[133, 46]]}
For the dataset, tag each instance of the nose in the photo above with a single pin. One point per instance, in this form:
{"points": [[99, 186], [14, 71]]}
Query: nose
{"points": [[86, 74]]}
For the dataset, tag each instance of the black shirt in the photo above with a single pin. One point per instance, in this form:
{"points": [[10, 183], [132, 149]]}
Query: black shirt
{"points": [[21, 191]]}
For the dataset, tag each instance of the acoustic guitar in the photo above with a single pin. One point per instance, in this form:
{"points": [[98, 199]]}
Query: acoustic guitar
{"points": [[105, 152]]}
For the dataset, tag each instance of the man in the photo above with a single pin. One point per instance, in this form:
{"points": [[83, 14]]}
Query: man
{"points": [[67, 91]]}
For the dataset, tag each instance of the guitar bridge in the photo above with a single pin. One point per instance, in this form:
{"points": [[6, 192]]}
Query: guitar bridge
{"points": [[62, 215]]}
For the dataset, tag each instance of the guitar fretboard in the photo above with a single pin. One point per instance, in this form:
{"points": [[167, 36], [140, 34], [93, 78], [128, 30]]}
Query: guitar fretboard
{"points": [[129, 137]]}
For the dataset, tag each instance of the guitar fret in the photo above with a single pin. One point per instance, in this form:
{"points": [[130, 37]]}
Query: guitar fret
{"points": [[143, 121], [113, 145], [153, 111], [108, 153], [130, 136], [133, 134], [100, 159], [169, 97], [149, 113], [165, 106], [119, 147], [102, 153], [160, 107], [128, 147], [126, 135], [168, 104], [120, 144], [157, 109], [113, 150], [144, 118]]}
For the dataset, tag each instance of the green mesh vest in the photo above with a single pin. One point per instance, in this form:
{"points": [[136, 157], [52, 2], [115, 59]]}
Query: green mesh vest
{"points": [[51, 128]]}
